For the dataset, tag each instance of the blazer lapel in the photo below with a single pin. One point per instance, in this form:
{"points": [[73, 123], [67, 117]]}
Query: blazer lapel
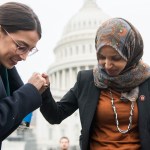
{"points": [[143, 106], [2, 89], [91, 103]]}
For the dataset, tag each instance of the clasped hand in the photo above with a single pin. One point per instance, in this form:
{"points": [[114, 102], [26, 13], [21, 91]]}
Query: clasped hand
{"points": [[40, 81]]}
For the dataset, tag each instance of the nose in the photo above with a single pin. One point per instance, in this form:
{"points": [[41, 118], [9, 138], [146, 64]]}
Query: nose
{"points": [[108, 64], [24, 56]]}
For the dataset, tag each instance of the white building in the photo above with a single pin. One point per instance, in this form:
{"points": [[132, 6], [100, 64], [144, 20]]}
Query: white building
{"points": [[74, 51]]}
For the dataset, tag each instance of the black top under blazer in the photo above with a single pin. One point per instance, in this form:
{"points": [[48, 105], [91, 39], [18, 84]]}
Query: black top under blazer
{"points": [[85, 95], [14, 108]]}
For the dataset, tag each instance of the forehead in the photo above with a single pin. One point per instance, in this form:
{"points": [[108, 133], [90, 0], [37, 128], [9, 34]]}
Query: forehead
{"points": [[28, 37], [64, 140]]}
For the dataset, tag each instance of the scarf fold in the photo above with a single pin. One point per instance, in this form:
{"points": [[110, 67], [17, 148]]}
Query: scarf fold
{"points": [[126, 83]]}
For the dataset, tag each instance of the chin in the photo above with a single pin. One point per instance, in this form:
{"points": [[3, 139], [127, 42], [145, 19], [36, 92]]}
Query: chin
{"points": [[112, 74], [9, 66]]}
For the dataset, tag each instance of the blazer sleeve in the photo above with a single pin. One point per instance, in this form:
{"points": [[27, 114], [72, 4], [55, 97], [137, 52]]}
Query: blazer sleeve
{"points": [[15, 107], [54, 112]]}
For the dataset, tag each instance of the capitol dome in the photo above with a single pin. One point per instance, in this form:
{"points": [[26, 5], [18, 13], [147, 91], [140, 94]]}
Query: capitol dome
{"points": [[89, 17], [75, 50]]}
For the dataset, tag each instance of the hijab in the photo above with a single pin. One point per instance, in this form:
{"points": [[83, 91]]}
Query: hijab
{"points": [[127, 41]]}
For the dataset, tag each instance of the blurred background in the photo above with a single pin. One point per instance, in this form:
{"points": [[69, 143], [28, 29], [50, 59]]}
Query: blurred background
{"points": [[67, 46]]}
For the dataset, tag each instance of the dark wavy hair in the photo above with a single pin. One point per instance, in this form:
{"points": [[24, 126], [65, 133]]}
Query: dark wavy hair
{"points": [[16, 16]]}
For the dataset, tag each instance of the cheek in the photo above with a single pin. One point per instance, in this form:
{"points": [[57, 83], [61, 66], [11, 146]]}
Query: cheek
{"points": [[6, 52], [101, 62], [7, 47], [3, 52], [122, 65]]}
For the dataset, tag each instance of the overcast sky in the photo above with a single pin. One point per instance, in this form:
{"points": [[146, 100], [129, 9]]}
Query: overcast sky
{"points": [[55, 14]]}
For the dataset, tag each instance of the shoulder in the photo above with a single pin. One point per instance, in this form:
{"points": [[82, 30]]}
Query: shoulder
{"points": [[15, 79], [85, 77], [145, 84], [13, 71], [147, 81], [85, 74]]}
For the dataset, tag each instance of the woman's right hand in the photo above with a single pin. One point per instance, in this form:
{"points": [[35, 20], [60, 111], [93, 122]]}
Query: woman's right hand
{"points": [[37, 80]]}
